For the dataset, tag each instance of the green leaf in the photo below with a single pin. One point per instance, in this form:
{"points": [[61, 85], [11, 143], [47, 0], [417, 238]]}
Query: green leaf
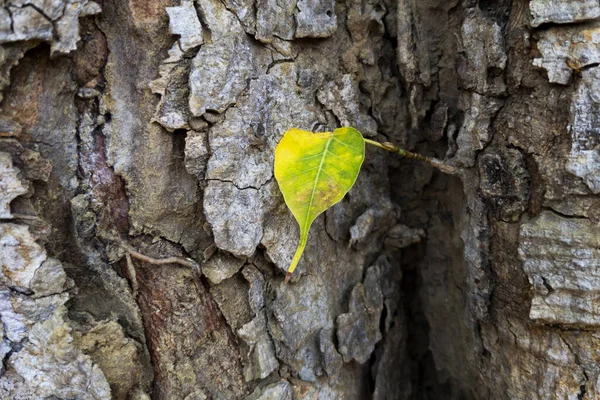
{"points": [[314, 171]]}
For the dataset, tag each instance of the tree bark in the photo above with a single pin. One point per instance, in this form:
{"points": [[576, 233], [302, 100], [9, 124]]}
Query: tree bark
{"points": [[151, 125]]}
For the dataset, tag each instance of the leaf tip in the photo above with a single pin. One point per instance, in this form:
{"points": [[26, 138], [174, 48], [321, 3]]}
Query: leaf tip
{"points": [[287, 277]]}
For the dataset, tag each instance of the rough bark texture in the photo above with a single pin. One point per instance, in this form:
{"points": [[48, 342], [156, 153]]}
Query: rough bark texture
{"points": [[153, 123]]}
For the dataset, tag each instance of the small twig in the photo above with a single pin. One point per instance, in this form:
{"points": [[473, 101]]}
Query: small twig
{"points": [[160, 261], [132, 275], [186, 262], [434, 162]]}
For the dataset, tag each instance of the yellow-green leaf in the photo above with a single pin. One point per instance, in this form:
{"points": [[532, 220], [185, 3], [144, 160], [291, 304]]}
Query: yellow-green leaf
{"points": [[314, 171]]}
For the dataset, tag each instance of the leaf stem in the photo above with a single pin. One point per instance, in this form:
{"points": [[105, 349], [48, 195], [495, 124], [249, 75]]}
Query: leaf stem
{"points": [[448, 169], [297, 256]]}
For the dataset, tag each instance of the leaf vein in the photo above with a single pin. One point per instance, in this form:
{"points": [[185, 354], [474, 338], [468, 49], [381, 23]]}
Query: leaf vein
{"points": [[312, 196], [332, 178], [297, 189], [309, 157], [340, 158], [346, 144], [287, 178]]}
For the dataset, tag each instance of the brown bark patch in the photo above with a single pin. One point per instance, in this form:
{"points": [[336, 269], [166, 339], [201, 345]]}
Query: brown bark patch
{"points": [[192, 346]]}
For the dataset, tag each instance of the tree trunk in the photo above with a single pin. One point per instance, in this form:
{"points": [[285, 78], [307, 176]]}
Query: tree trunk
{"points": [[151, 126]]}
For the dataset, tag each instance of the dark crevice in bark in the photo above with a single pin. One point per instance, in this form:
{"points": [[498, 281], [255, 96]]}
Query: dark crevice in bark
{"points": [[581, 394], [238, 187], [583, 387], [277, 62], [12, 22], [216, 310], [326, 230], [497, 10], [563, 215], [178, 136], [549, 25], [536, 186], [424, 375]]}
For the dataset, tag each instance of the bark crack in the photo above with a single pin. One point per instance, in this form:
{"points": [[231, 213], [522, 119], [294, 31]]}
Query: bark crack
{"points": [[583, 386]]}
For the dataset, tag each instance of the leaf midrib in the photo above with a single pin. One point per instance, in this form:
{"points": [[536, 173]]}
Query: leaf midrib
{"points": [[312, 196]]}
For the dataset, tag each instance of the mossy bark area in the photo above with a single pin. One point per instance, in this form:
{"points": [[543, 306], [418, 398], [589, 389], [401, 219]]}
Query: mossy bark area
{"points": [[154, 123]]}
